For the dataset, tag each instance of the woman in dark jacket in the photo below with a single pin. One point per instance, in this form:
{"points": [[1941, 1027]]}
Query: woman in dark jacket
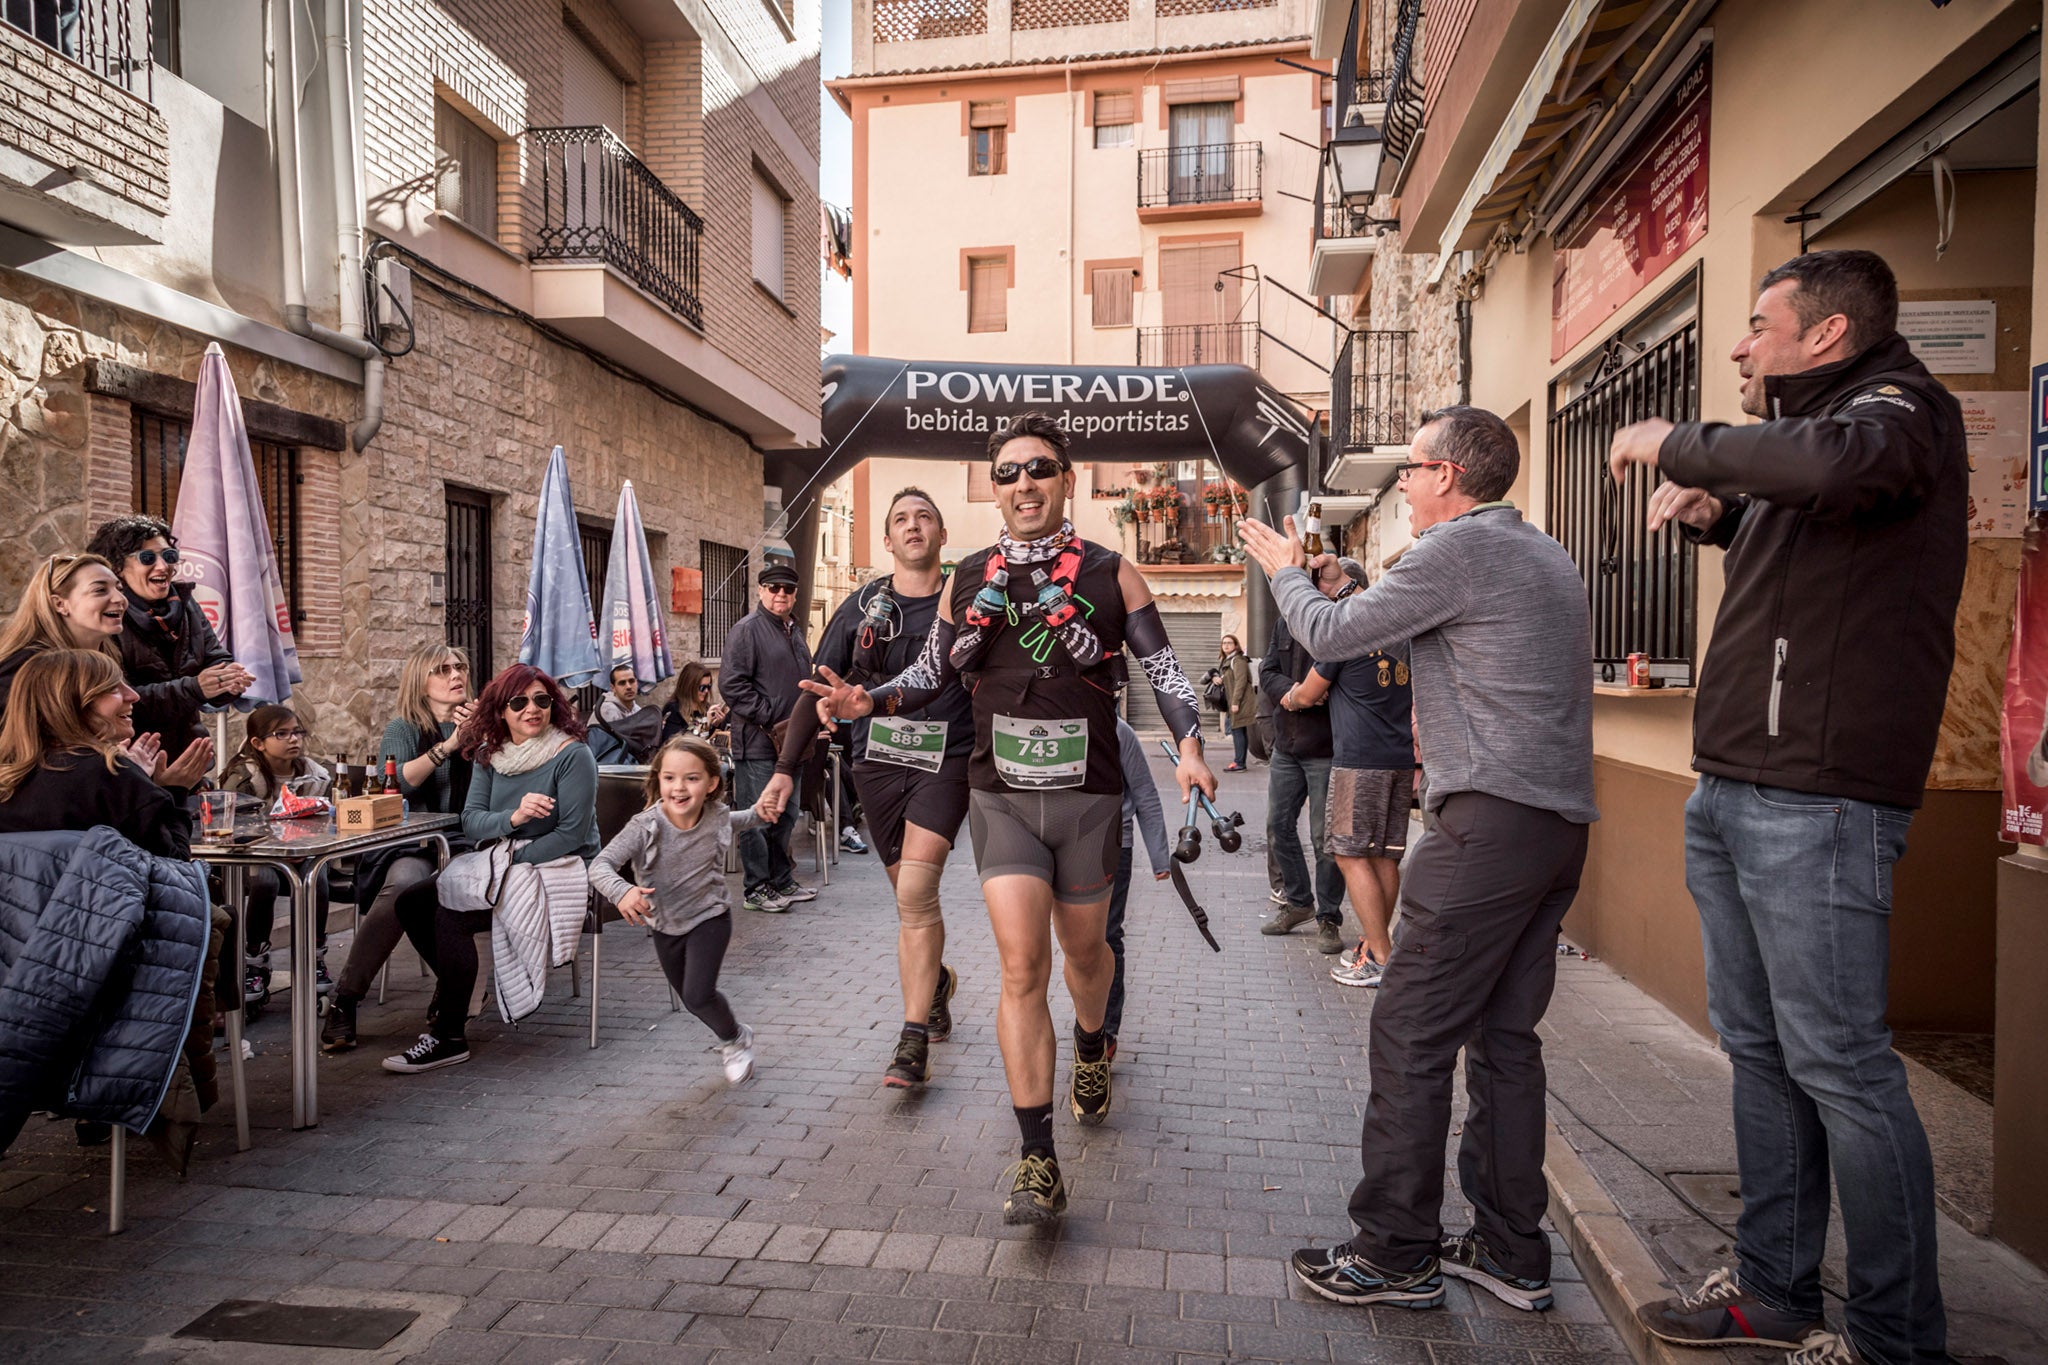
{"points": [[62, 765], [170, 654]]}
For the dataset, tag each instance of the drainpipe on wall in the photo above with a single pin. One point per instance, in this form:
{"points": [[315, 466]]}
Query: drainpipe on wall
{"points": [[284, 86]]}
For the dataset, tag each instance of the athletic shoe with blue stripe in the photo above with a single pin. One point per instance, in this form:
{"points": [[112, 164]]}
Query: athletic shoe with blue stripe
{"points": [[1466, 1258], [1343, 1276]]}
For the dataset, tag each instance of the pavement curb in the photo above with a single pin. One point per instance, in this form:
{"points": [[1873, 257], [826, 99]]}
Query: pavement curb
{"points": [[1617, 1264]]}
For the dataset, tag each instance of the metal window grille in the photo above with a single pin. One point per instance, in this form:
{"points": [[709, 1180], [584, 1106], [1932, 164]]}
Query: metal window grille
{"points": [[1201, 343], [725, 594], [903, 21], [467, 613], [1643, 588], [597, 557], [158, 443], [110, 38]]}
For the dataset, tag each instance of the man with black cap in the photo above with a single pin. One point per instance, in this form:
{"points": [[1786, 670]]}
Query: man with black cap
{"points": [[765, 658]]}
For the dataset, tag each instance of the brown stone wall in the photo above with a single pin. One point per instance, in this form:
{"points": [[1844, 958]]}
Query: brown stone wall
{"points": [[64, 116]]}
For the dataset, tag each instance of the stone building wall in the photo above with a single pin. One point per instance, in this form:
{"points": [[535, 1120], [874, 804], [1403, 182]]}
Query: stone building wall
{"points": [[479, 403]]}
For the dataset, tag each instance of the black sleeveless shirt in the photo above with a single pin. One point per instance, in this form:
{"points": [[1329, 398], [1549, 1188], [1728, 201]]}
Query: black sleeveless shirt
{"points": [[1026, 674]]}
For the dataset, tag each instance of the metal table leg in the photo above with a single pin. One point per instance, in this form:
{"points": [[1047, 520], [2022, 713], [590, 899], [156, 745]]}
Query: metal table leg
{"points": [[305, 999], [117, 1182], [235, 878], [838, 819]]}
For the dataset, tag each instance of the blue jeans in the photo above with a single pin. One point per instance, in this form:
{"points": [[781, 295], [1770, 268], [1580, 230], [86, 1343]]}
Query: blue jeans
{"points": [[1240, 739], [1113, 934], [1795, 895], [764, 852], [1290, 783]]}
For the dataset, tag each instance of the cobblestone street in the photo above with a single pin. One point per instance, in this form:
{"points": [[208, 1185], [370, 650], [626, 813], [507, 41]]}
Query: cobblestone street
{"points": [[550, 1203]]}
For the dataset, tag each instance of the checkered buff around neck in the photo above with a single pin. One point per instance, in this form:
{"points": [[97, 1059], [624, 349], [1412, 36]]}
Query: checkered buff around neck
{"points": [[1016, 551]]}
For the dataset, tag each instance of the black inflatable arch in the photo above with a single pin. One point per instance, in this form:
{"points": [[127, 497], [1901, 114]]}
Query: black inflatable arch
{"points": [[945, 410]]}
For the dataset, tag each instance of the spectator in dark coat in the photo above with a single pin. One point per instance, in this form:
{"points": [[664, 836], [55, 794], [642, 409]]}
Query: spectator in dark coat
{"points": [[765, 658], [169, 652]]}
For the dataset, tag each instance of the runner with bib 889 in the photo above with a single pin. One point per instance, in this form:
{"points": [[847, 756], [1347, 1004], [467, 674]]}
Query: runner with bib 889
{"points": [[1036, 627]]}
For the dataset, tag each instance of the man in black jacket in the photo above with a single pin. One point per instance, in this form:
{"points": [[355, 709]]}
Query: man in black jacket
{"points": [[1844, 519], [765, 657], [1300, 773]]}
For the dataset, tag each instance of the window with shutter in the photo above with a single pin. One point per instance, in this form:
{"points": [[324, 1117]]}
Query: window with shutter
{"points": [[988, 293], [465, 169], [979, 487], [1116, 118], [1188, 275], [1204, 90], [1111, 291], [771, 212]]}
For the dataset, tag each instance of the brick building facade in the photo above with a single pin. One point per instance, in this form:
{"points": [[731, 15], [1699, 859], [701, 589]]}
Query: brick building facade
{"points": [[673, 370]]}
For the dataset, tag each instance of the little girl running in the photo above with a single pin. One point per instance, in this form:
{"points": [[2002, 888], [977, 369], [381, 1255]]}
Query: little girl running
{"points": [[676, 851]]}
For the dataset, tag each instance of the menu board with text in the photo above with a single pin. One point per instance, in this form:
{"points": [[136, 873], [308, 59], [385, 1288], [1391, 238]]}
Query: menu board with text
{"points": [[1651, 208]]}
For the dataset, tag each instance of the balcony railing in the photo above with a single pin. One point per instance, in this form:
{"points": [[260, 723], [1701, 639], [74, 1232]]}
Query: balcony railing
{"points": [[1369, 392], [110, 38], [1403, 95], [600, 203], [1203, 173], [1336, 219], [1200, 343]]}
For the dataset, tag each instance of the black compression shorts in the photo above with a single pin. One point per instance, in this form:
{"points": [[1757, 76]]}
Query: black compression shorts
{"points": [[893, 796], [1072, 839]]}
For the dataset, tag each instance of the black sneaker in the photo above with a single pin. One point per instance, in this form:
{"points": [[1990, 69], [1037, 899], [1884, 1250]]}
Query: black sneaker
{"points": [[428, 1054], [909, 1067], [1088, 1090], [1343, 1276], [338, 1029], [939, 1023], [1037, 1194], [1465, 1258], [1722, 1313]]}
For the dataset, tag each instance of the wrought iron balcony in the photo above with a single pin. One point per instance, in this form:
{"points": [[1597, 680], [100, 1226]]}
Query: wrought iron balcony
{"points": [[1202, 173], [599, 202], [110, 38], [1370, 404], [1200, 343]]}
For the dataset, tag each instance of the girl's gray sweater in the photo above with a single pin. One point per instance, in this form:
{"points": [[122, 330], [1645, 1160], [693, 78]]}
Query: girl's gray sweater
{"points": [[686, 867]]}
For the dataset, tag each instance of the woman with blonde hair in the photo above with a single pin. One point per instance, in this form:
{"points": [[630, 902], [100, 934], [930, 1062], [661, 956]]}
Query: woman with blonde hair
{"points": [[434, 699], [71, 602], [63, 763]]}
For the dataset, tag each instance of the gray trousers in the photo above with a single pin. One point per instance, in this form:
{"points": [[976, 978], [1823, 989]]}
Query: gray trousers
{"points": [[1475, 958]]}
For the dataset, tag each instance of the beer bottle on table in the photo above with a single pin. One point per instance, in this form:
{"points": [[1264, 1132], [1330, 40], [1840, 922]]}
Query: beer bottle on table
{"points": [[390, 786], [341, 775]]}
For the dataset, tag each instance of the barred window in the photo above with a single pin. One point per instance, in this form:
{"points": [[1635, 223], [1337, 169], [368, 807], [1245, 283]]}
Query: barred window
{"points": [[158, 445], [1642, 588], [725, 595]]}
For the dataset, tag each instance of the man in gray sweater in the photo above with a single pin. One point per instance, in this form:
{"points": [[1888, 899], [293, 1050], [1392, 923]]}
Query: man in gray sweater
{"points": [[1502, 662]]}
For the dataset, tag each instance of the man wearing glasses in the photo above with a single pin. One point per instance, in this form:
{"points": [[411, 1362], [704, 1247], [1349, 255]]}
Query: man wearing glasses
{"points": [[1037, 626], [910, 768], [765, 659], [1501, 653]]}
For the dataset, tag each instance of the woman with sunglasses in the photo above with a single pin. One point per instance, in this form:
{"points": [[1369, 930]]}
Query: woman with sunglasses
{"points": [[534, 781], [71, 602], [434, 701], [172, 658], [691, 710]]}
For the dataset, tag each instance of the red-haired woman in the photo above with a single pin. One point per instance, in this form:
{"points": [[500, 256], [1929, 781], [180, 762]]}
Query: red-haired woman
{"points": [[534, 781]]}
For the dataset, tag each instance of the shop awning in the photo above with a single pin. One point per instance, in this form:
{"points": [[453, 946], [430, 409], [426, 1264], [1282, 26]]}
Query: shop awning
{"points": [[1599, 47]]}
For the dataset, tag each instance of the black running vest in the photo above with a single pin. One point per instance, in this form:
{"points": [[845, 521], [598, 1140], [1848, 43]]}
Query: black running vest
{"points": [[1025, 673]]}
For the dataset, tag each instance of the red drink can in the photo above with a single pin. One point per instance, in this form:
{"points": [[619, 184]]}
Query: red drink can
{"points": [[1638, 670]]}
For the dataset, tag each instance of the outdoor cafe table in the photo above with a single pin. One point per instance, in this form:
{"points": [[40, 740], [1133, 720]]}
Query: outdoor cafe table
{"points": [[301, 850]]}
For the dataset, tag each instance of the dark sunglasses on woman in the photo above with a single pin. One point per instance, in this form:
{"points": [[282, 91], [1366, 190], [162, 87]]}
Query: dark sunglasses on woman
{"points": [[519, 704], [1038, 467], [148, 558]]}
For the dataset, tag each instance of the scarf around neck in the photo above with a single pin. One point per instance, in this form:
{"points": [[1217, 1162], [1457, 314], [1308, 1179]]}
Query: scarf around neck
{"points": [[1016, 551], [513, 759]]}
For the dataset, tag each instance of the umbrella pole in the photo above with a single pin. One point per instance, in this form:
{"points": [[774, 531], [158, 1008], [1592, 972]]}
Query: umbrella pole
{"points": [[220, 744]]}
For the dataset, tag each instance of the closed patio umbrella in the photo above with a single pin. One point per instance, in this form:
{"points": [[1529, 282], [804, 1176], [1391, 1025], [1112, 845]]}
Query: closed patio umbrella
{"points": [[632, 612], [559, 635]]}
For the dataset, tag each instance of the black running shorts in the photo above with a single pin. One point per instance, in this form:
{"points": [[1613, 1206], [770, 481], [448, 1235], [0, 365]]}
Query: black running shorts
{"points": [[893, 796], [1068, 838]]}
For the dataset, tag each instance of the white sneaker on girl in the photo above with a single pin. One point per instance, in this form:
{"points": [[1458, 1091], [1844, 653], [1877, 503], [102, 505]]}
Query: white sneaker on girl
{"points": [[739, 1056]]}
